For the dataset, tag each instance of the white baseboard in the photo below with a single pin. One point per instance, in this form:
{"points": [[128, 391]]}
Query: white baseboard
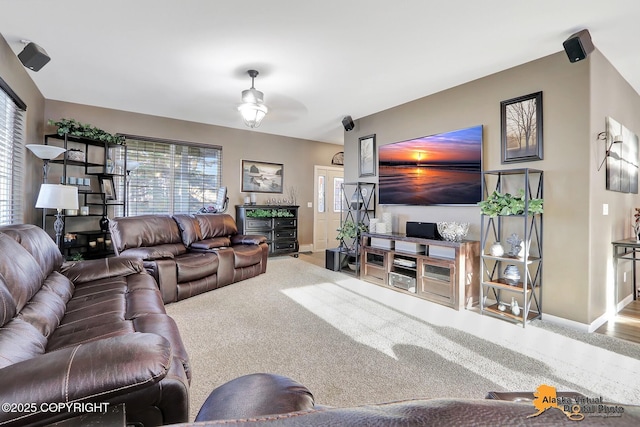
{"points": [[306, 248], [622, 304], [572, 324], [583, 327]]}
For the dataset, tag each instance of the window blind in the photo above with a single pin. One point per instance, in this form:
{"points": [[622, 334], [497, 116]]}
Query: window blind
{"points": [[173, 177], [11, 156]]}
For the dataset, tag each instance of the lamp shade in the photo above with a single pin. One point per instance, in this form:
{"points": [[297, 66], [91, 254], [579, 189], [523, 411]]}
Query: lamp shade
{"points": [[252, 113], [45, 152], [57, 196]]}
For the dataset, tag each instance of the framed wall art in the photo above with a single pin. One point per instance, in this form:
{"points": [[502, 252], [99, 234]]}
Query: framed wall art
{"points": [[107, 187], [621, 157], [367, 155], [521, 125], [262, 177]]}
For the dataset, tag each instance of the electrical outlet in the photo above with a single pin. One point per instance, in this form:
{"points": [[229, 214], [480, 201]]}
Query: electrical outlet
{"points": [[309, 204], [605, 209], [624, 277]]}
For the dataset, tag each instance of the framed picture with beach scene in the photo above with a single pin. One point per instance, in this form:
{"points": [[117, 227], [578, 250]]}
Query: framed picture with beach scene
{"points": [[521, 123], [262, 177]]}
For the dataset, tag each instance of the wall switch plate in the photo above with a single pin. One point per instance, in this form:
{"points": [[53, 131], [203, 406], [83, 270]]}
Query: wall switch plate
{"points": [[624, 277], [309, 204], [605, 209]]}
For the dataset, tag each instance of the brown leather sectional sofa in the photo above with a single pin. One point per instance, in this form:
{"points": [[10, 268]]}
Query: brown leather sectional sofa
{"points": [[190, 254], [277, 401], [90, 331]]}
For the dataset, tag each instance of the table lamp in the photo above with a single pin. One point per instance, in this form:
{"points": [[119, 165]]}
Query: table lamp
{"points": [[59, 197]]}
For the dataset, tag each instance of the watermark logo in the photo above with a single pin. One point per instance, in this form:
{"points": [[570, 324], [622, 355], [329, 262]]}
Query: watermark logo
{"points": [[575, 408]]}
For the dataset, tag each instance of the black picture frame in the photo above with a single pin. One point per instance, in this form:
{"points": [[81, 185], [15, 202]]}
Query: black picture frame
{"points": [[367, 155], [262, 177], [521, 124], [108, 188]]}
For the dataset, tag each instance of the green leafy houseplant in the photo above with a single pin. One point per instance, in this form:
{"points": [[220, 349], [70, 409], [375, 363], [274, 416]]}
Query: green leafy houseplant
{"points": [[507, 204], [269, 213], [349, 230], [73, 127]]}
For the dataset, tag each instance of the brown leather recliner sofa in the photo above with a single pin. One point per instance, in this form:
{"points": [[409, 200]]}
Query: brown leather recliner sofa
{"points": [[278, 401], [84, 332], [190, 254]]}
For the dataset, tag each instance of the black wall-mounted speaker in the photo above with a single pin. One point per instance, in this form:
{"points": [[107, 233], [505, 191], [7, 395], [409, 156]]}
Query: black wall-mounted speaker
{"points": [[578, 46], [33, 57], [347, 122]]}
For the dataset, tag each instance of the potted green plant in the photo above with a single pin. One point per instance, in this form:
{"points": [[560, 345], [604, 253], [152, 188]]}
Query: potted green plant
{"points": [[349, 232], [508, 204]]}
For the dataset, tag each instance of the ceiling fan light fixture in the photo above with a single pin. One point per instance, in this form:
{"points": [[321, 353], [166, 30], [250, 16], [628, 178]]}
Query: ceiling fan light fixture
{"points": [[253, 113], [252, 108]]}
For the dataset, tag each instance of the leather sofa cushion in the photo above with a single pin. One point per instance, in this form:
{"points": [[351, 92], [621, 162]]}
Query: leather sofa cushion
{"points": [[196, 265], [22, 277], [144, 231], [247, 255], [20, 341], [215, 225], [105, 308], [202, 227], [38, 244], [45, 310], [215, 242], [189, 228]]}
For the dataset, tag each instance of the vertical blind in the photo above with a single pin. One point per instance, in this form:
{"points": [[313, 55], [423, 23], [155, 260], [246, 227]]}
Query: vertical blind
{"points": [[173, 177], [11, 156]]}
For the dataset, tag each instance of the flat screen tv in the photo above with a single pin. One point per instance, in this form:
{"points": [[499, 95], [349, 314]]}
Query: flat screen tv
{"points": [[441, 169]]}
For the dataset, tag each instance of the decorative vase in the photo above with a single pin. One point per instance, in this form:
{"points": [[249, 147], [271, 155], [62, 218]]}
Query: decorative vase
{"points": [[511, 275], [501, 306], [515, 308], [516, 245], [104, 224], [496, 249]]}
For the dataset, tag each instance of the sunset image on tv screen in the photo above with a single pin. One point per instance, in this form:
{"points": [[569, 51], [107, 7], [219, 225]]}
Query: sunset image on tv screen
{"points": [[441, 169]]}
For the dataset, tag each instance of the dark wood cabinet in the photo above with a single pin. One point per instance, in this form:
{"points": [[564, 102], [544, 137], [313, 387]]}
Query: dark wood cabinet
{"points": [[278, 223]]}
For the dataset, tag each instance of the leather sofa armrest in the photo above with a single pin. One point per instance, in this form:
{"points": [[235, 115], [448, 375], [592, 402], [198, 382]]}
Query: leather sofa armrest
{"points": [[95, 269], [247, 239], [255, 395], [92, 372]]}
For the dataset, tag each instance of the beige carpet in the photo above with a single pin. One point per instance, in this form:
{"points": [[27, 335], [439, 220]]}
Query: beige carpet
{"points": [[351, 343]]}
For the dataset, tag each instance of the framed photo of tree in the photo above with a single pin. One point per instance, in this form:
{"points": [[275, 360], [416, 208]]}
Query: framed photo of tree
{"points": [[521, 124], [367, 155]]}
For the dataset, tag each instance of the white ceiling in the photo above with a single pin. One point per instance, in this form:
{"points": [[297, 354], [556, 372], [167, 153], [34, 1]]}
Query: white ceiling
{"points": [[318, 60]]}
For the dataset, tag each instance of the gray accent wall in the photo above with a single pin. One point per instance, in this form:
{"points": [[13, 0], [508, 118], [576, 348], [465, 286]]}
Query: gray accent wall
{"points": [[578, 277]]}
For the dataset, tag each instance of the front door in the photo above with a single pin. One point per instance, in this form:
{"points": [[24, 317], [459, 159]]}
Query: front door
{"points": [[326, 213]]}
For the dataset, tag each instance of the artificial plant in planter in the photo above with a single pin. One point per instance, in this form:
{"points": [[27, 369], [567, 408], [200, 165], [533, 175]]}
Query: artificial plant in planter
{"points": [[349, 231], [508, 204], [73, 127]]}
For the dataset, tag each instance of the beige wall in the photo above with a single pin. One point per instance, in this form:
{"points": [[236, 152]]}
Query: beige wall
{"points": [[17, 77], [298, 155], [611, 96], [568, 289]]}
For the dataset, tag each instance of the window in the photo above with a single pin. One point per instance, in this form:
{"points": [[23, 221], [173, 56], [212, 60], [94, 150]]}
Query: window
{"points": [[172, 177], [337, 194], [11, 155]]}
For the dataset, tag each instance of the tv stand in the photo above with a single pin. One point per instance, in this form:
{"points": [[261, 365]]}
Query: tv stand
{"points": [[437, 270]]}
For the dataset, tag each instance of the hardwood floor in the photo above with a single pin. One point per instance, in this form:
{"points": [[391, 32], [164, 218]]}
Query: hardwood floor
{"points": [[626, 325]]}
